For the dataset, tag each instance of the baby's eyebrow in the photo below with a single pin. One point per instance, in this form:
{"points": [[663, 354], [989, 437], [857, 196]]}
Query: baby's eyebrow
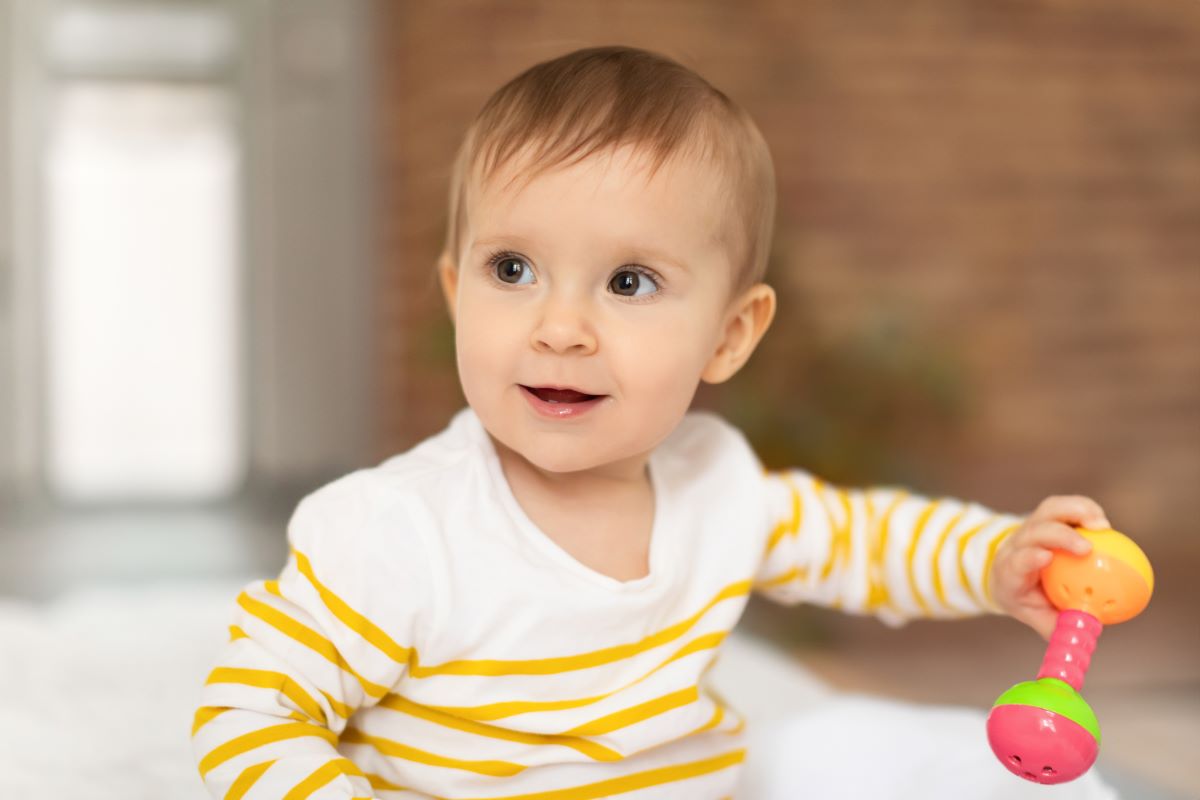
{"points": [[658, 256], [491, 241]]}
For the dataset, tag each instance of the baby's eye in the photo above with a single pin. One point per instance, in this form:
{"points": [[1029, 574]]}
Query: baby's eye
{"points": [[627, 282], [510, 269]]}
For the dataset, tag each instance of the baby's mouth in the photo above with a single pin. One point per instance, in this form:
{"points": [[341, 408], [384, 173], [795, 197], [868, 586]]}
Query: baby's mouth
{"points": [[559, 395]]}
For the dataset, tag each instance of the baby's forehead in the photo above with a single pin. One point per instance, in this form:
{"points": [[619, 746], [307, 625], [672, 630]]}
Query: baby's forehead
{"points": [[690, 189], [663, 207]]}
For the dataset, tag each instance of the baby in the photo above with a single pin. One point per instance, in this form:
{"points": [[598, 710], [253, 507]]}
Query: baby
{"points": [[525, 605]]}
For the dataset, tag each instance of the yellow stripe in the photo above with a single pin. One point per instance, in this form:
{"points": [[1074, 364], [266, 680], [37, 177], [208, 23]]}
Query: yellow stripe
{"points": [[963, 579], [847, 536], [551, 666], [351, 618], [207, 713], [878, 595], [493, 711], [244, 781], [590, 749], [713, 721], [639, 713], [789, 526], [343, 710], [872, 542], [911, 555], [839, 541], [937, 551], [276, 733], [204, 714], [266, 679], [321, 776], [800, 573], [640, 780], [835, 536], [963, 541], [839, 545], [382, 784], [497, 769], [991, 556], [304, 635]]}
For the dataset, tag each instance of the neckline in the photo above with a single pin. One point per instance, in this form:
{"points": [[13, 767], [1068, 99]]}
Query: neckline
{"points": [[658, 563]]}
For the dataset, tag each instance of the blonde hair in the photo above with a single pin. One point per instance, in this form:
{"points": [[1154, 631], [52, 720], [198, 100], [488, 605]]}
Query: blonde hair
{"points": [[601, 98]]}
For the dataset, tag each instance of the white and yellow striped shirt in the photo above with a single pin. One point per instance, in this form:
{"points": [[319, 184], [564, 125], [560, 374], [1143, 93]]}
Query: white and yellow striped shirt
{"points": [[425, 639]]}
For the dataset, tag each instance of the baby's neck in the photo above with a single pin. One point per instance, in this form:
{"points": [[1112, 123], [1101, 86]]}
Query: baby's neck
{"points": [[603, 518]]}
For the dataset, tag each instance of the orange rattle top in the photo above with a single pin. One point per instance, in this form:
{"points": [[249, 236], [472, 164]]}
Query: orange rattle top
{"points": [[1113, 582]]}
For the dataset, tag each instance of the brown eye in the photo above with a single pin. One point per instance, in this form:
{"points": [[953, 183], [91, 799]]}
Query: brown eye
{"points": [[509, 269], [627, 282]]}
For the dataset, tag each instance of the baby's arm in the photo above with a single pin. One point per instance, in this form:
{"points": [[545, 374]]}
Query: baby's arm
{"points": [[880, 551], [300, 661]]}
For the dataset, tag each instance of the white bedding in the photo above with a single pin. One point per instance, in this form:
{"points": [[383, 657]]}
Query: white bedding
{"points": [[97, 691]]}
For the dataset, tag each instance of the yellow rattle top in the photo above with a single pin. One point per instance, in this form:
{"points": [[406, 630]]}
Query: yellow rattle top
{"points": [[1113, 582]]}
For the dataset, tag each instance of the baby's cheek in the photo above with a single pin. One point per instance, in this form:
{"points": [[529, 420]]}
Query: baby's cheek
{"points": [[667, 374], [481, 363]]}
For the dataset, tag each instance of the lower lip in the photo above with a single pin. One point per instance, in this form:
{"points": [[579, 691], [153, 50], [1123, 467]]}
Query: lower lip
{"points": [[561, 410]]}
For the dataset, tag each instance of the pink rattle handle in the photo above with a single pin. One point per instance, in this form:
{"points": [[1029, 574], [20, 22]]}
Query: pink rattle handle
{"points": [[1069, 651]]}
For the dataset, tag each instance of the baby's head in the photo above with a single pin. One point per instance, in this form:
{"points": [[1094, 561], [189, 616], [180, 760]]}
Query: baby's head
{"points": [[610, 220]]}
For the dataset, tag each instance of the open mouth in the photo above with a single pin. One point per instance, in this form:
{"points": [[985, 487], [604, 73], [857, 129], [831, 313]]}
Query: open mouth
{"points": [[549, 395]]}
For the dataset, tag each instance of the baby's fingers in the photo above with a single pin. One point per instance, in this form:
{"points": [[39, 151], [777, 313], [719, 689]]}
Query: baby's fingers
{"points": [[1057, 536], [1073, 510], [1043, 621], [1031, 559]]}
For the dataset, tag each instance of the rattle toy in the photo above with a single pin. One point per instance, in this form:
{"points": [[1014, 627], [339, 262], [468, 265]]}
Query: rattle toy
{"points": [[1043, 730]]}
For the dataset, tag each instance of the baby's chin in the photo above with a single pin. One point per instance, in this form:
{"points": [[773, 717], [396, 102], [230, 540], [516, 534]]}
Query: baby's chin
{"points": [[560, 455], [566, 455], [569, 463]]}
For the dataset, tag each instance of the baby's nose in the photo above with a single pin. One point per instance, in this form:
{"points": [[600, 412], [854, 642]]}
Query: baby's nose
{"points": [[564, 328]]}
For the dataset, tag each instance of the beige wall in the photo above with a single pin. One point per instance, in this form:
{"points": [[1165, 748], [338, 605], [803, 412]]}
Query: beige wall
{"points": [[988, 245]]}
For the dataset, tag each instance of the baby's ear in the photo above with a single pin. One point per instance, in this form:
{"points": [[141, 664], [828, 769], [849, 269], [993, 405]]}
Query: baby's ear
{"points": [[448, 275], [745, 322]]}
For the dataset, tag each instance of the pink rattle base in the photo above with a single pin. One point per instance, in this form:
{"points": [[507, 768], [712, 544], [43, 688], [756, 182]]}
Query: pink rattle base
{"points": [[1039, 745]]}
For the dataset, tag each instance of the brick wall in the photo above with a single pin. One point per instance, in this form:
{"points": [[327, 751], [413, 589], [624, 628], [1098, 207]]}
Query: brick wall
{"points": [[989, 211]]}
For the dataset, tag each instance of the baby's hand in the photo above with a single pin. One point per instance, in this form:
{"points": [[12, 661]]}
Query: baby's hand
{"points": [[1016, 570]]}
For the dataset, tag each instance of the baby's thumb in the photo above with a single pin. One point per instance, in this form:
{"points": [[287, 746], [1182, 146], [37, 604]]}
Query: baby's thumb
{"points": [[1044, 622]]}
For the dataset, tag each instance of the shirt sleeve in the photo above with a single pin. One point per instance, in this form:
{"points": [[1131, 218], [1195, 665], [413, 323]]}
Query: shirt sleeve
{"points": [[880, 551], [301, 659]]}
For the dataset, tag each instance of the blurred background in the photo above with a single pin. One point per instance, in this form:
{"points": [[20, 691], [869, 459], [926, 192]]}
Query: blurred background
{"points": [[219, 221]]}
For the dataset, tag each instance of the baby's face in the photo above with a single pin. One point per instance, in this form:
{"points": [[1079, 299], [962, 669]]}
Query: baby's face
{"points": [[592, 278]]}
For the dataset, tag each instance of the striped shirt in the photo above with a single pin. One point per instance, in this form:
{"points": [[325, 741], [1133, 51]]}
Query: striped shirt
{"points": [[426, 639]]}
